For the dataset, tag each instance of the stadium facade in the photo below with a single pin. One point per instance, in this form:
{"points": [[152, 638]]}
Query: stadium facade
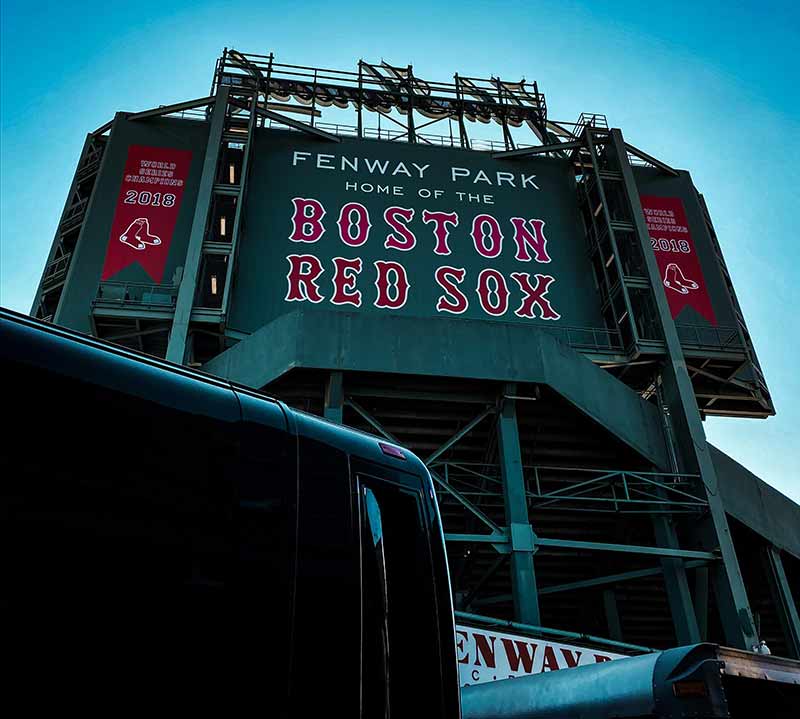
{"points": [[539, 309]]}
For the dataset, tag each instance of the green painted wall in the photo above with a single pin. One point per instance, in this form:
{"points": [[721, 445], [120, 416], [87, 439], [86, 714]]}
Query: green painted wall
{"points": [[277, 177], [87, 263]]}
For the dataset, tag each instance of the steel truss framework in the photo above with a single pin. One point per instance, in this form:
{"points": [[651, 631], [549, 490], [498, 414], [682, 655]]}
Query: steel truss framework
{"points": [[507, 518], [504, 517]]}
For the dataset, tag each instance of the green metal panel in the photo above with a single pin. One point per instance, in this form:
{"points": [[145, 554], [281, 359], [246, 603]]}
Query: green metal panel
{"points": [[87, 262], [650, 181], [757, 505]]}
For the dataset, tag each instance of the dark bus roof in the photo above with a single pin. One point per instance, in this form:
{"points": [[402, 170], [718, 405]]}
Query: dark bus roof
{"points": [[63, 351]]}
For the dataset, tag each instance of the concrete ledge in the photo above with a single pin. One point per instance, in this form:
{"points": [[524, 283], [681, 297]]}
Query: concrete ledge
{"points": [[323, 339]]}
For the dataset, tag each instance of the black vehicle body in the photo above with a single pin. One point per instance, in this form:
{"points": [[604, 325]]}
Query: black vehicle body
{"points": [[158, 512]]}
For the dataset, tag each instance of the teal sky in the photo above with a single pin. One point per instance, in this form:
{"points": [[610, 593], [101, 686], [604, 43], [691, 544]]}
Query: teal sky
{"points": [[711, 87]]}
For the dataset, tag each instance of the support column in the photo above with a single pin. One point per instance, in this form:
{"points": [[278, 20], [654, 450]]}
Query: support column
{"points": [[521, 536], [701, 601], [676, 584], [334, 398], [729, 589], [784, 601], [57, 237], [612, 615], [176, 349]]}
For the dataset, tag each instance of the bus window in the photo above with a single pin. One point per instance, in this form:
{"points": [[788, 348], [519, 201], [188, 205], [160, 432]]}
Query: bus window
{"points": [[400, 654], [375, 629]]}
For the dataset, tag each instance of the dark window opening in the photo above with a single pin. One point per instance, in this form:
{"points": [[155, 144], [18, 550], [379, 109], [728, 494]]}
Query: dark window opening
{"points": [[223, 213], [212, 281]]}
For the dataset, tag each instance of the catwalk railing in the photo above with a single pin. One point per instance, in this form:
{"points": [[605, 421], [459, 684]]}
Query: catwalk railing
{"points": [[577, 489], [136, 294]]}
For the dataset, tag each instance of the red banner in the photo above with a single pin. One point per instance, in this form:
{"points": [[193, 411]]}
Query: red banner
{"points": [[147, 209], [678, 264]]}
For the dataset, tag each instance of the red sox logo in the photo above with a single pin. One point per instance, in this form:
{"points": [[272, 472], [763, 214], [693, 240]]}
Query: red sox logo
{"points": [[674, 279], [138, 235]]}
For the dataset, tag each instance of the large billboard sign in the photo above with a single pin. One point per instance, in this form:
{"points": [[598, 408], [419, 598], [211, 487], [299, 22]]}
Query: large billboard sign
{"points": [[365, 226], [486, 656]]}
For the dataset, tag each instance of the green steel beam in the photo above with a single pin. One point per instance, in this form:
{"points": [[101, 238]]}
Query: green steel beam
{"points": [[377, 426], [729, 588], [676, 584], [498, 538], [619, 578], [540, 150], [497, 532], [615, 257], [701, 600], [102, 129], [503, 540], [642, 155], [240, 203], [495, 599], [523, 578], [474, 591], [177, 107], [75, 266], [784, 601], [425, 396], [289, 122], [87, 144], [548, 631], [465, 430], [176, 349], [101, 311], [624, 548], [334, 398], [612, 614]]}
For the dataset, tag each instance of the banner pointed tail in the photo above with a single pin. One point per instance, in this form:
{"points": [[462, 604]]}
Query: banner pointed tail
{"points": [[678, 264], [147, 210]]}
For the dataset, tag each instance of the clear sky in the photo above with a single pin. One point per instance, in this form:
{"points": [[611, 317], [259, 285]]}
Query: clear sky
{"points": [[707, 86]]}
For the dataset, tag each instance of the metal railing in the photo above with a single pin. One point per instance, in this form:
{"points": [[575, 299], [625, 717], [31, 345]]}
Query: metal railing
{"points": [[576, 488], [56, 270], [590, 119], [73, 216], [598, 339], [391, 134], [136, 294], [709, 337]]}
